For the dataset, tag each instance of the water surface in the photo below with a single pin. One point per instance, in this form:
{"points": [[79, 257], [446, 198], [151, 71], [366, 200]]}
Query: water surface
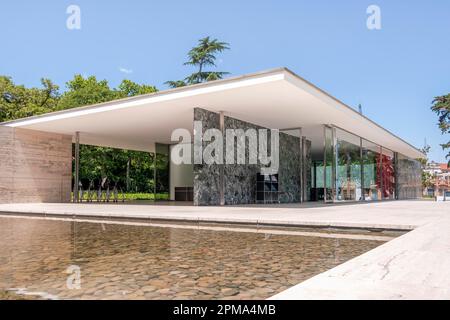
{"points": [[119, 261]]}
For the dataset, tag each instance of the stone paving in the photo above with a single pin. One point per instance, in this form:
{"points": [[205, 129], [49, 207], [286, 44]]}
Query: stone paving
{"points": [[415, 265], [140, 262], [405, 215]]}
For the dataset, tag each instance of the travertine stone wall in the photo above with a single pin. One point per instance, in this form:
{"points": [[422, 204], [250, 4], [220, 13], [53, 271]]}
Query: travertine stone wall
{"points": [[240, 180], [35, 166], [409, 178]]}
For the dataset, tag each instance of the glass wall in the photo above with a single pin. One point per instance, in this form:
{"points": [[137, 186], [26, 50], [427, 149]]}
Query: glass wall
{"points": [[162, 166], [348, 169], [371, 159], [388, 174], [317, 190], [409, 178], [355, 169]]}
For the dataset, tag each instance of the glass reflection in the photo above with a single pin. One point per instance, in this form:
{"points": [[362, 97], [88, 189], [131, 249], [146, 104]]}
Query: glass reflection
{"points": [[354, 169], [162, 171], [348, 170], [388, 173], [409, 178], [371, 159]]}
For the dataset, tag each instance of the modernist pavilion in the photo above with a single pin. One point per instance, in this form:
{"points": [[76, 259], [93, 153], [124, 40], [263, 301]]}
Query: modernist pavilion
{"points": [[327, 150]]}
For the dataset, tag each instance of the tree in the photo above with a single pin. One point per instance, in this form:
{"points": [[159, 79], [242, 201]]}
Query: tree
{"points": [[176, 83], [425, 150], [83, 91], [129, 88], [17, 101], [201, 56], [441, 106], [427, 177]]}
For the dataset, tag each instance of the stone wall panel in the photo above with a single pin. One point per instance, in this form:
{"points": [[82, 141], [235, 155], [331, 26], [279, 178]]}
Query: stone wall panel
{"points": [[240, 180]]}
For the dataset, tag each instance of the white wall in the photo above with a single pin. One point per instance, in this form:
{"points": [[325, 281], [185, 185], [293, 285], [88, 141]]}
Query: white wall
{"points": [[180, 176]]}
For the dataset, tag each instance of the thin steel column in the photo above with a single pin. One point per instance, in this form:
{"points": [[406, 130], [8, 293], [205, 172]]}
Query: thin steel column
{"points": [[396, 174], [76, 195], [334, 164], [362, 168], [154, 173], [324, 163], [302, 186], [222, 166], [381, 174], [305, 170]]}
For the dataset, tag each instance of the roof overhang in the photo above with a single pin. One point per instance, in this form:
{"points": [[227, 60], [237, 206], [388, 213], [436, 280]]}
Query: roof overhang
{"points": [[274, 99]]}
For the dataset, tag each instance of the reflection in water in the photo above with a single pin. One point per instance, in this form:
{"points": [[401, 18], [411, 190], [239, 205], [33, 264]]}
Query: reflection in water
{"points": [[141, 262]]}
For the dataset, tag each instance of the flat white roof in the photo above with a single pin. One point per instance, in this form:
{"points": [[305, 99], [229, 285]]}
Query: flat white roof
{"points": [[277, 99]]}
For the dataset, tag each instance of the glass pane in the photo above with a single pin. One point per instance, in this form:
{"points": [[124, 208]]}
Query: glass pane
{"points": [[371, 156], [409, 178], [388, 172], [162, 171], [317, 181], [348, 173], [319, 175]]}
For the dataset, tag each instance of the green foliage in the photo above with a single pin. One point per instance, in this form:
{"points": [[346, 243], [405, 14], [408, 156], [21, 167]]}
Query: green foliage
{"points": [[16, 101], [441, 106], [201, 56], [129, 88], [424, 161], [130, 170], [87, 91], [141, 171], [130, 196], [176, 84], [427, 178]]}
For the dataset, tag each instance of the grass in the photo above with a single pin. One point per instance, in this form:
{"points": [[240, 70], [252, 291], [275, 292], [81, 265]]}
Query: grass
{"points": [[130, 196], [145, 196]]}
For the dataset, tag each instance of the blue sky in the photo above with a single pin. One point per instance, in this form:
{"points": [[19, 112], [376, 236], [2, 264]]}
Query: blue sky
{"points": [[394, 72]]}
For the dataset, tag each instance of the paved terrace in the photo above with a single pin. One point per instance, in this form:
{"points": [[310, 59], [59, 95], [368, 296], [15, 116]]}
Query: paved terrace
{"points": [[415, 265]]}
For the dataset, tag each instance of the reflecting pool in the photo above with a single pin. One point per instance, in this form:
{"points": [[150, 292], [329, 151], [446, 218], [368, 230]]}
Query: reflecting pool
{"points": [[55, 259]]}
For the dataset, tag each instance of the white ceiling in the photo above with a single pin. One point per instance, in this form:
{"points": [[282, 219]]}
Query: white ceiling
{"points": [[274, 99]]}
